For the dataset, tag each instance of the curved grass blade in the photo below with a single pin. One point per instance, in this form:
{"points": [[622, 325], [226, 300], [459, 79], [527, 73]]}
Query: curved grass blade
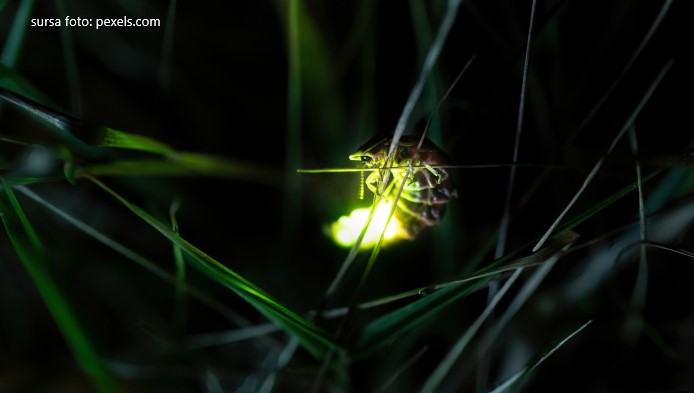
{"points": [[28, 247], [313, 339]]}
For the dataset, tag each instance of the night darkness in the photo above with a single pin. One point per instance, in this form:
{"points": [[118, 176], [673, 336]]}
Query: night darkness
{"points": [[227, 88]]}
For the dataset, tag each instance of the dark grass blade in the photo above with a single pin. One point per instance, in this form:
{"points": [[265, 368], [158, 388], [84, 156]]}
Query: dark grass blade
{"points": [[12, 82], [166, 65], [143, 262], [62, 126], [432, 56], [598, 164], [440, 296], [312, 338], [70, 60], [519, 377], [28, 247], [15, 39]]}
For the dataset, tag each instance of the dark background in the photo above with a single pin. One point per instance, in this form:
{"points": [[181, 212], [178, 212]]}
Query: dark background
{"points": [[226, 94]]}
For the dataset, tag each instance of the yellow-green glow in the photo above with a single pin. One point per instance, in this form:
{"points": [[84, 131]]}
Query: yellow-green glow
{"points": [[346, 229]]}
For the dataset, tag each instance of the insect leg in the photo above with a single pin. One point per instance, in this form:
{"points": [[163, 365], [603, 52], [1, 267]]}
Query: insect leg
{"points": [[439, 176]]}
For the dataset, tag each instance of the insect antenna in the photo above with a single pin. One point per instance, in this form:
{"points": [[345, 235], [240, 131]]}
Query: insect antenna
{"points": [[443, 98], [361, 185]]}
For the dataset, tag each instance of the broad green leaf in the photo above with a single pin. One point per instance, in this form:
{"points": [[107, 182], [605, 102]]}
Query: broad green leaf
{"points": [[34, 257]]}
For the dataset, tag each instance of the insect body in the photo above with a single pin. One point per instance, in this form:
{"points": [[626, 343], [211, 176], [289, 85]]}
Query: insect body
{"points": [[427, 190]]}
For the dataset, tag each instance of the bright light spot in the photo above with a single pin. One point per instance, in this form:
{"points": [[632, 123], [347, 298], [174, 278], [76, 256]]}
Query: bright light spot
{"points": [[346, 229]]}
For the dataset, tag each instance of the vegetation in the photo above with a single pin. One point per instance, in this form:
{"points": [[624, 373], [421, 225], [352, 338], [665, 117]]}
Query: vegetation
{"points": [[166, 195]]}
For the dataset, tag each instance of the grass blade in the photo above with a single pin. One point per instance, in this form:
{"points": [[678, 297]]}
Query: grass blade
{"points": [[15, 39], [616, 139], [12, 82], [440, 296], [175, 162], [33, 256], [435, 379], [62, 126], [137, 258], [523, 373], [312, 338], [429, 61]]}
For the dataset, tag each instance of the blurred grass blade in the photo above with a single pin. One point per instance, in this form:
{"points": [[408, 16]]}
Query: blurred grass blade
{"points": [[312, 338], [187, 164], [33, 256], [15, 39], [291, 209], [634, 114], [125, 140], [12, 82], [166, 65], [69, 59], [429, 62], [181, 307], [137, 258], [521, 375], [409, 316], [176, 162], [432, 383], [66, 128], [312, 77]]}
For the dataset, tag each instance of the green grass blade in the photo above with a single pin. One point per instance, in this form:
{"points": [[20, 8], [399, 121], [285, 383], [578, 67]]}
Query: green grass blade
{"points": [[126, 140], [175, 162], [137, 258], [440, 296], [187, 164], [33, 256], [312, 338], [13, 82], [181, 308], [15, 39]]}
